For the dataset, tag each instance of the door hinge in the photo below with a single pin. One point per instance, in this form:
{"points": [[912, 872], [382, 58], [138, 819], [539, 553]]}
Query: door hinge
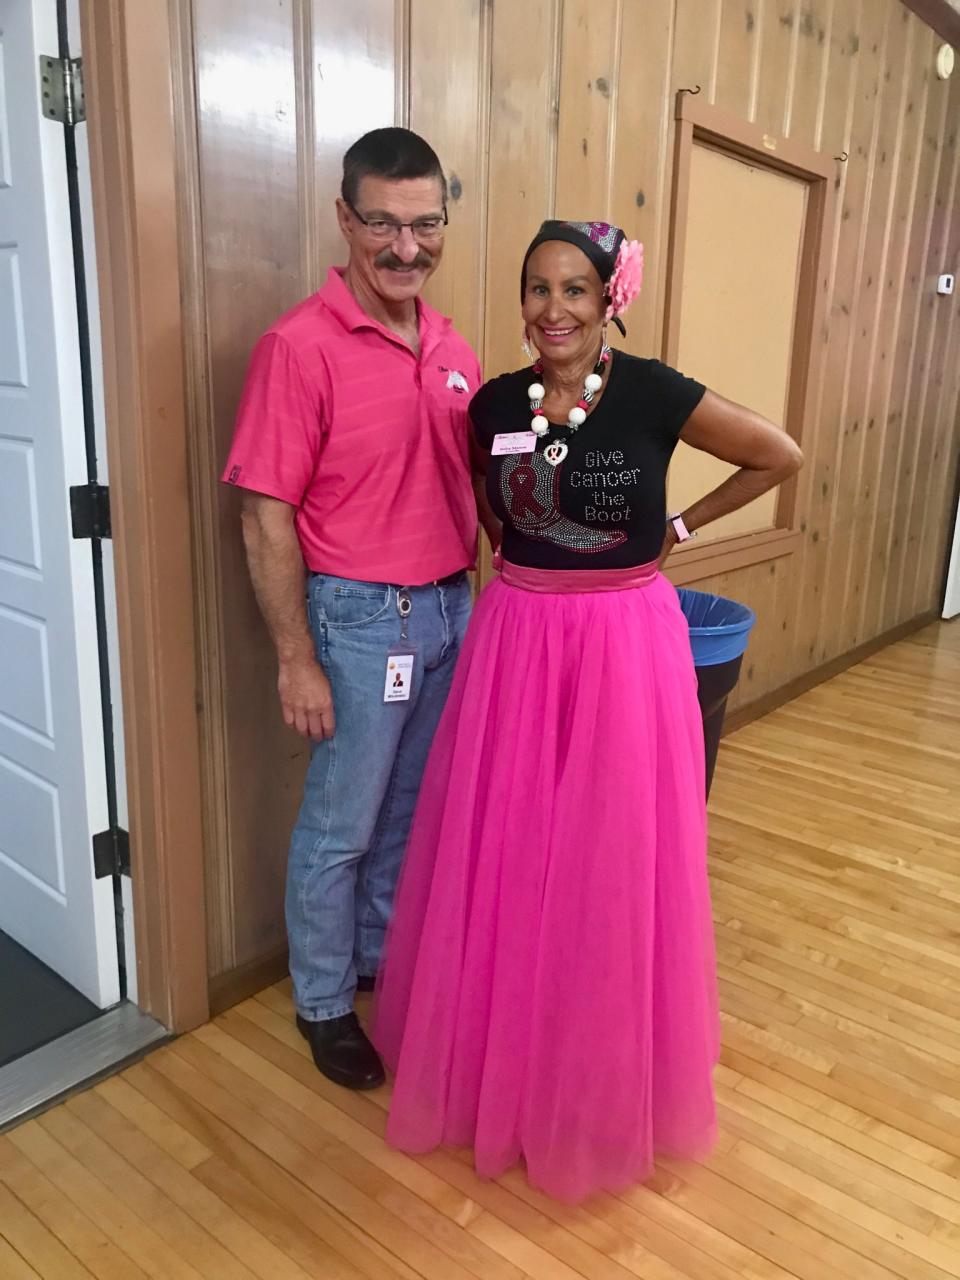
{"points": [[111, 853], [61, 89], [90, 510]]}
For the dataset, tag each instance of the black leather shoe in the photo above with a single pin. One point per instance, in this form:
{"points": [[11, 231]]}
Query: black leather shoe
{"points": [[342, 1052]]}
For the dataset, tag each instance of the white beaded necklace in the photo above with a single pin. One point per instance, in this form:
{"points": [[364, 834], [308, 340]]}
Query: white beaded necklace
{"points": [[556, 451]]}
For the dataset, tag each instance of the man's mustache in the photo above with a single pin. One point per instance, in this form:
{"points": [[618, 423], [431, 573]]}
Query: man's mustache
{"points": [[391, 262]]}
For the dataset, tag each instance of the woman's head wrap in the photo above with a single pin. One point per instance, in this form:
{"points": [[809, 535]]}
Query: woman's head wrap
{"points": [[617, 261]]}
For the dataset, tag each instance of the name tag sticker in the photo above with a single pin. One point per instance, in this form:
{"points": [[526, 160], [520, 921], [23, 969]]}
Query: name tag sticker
{"points": [[399, 677], [514, 442]]}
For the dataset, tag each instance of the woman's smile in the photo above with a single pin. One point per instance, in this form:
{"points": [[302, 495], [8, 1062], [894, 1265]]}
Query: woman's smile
{"points": [[556, 333]]}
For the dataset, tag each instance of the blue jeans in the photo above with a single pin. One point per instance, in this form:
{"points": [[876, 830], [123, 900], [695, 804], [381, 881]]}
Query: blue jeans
{"points": [[361, 786]]}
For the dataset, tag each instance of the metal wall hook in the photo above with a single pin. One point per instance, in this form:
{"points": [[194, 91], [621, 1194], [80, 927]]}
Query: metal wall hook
{"points": [[842, 157], [692, 92]]}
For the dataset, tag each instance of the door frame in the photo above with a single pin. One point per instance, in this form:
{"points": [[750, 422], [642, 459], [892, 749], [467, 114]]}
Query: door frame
{"points": [[699, 122], [128, 59]]}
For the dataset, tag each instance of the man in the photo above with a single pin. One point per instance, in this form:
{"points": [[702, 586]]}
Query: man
{"points": [[352, 447]]}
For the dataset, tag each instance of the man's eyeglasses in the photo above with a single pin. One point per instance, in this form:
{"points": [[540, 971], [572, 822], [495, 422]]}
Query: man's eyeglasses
{"points": [[424, 230]]}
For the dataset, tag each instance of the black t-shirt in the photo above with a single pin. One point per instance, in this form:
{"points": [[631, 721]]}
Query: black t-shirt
{"points": [[604, 506]]}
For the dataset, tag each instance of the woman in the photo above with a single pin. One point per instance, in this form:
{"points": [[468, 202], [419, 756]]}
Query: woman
{"points": [[549, 990]]}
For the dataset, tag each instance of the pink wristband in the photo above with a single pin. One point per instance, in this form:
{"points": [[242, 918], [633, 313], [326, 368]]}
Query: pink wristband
{"points": [[680, 529]]}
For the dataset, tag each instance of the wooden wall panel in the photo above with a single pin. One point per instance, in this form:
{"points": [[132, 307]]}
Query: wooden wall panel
{"points": [[918, 426], [846, 126], [887, 566], [855, 280], [563, 107], [779, 35], [351, 79], [871, 362], [738, 59], [696, 43], [522, 172], [900, 297], [450, 54], [933, 502], [810, 72], [642, 165], [587, 106], [246, 102]]}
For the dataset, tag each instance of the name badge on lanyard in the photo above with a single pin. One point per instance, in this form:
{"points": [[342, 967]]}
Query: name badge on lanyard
{"points": [[399, 679]]}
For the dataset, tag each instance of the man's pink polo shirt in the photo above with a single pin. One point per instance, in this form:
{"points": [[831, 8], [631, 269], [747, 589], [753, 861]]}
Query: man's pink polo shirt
{"points": [[369, 443]]}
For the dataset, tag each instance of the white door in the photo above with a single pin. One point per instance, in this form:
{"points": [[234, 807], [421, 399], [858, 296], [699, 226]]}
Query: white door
{"points": [[52, 774]]}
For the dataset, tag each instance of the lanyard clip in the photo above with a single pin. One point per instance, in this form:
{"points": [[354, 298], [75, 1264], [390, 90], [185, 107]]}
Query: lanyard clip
{"points": [[404, 607]]}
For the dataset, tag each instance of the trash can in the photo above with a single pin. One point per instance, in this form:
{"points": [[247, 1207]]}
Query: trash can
{"points": [[719, 631]]}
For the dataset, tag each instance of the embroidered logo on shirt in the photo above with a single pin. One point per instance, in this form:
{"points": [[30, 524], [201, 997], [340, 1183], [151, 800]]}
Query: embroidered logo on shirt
{"points": [[455, 380], [234, 475]]}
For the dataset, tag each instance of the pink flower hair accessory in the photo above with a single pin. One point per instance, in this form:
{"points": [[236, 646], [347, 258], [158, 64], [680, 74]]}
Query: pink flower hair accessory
{"points": [[624, 284]]}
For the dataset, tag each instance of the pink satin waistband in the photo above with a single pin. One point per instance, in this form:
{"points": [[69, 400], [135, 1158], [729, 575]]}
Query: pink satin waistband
{"points": [[568, 581]]}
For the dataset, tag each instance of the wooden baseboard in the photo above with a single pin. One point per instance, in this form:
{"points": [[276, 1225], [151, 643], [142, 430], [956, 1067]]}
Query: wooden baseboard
{"points": [[229, 988], [810, 679]]}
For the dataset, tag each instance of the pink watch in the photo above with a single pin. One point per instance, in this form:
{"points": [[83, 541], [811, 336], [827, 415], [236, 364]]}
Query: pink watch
{"points": [[680, 529]]}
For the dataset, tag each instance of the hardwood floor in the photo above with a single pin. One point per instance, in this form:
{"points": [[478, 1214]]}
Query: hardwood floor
{"points": [[835, 853]]}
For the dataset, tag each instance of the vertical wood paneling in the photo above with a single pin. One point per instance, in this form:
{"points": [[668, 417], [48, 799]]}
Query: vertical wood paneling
{"points": [[766, 584], [831, 132], [586, 121], [888, 563], [564, 107], [356, 70], [523, 139], [919, 412], [642, 160], [778, 37], [803, 37], [246, 98], [738, 58], [810, 70], [865, 246], [880, 438], [449, 52], [205, 502], [878, 315], [901, 298], [696, 45], [844, 131], [303, 63], [939, 446]]}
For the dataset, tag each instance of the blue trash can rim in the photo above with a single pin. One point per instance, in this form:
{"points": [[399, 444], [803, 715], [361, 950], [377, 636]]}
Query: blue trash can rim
{"points": [[745, 621], [738, 615], [723, 641]]}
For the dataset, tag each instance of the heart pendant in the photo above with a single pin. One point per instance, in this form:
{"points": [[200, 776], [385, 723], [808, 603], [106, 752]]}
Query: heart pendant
{"points": [[555, 452]]}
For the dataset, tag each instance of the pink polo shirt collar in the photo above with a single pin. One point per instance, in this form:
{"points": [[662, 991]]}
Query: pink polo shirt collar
{"points": [[338, 299]]}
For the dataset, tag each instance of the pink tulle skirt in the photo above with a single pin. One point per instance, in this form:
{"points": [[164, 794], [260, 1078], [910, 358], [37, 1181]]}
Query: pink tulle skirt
{"points": [[549, 989]]}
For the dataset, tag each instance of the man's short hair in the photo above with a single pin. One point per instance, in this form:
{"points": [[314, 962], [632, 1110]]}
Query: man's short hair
{"points": [[389, 153]]}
